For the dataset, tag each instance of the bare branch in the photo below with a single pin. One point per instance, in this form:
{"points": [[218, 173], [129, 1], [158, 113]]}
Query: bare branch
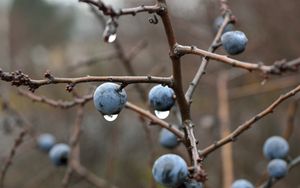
{"points": [[18, 78], [245, 126], [276, 69]]}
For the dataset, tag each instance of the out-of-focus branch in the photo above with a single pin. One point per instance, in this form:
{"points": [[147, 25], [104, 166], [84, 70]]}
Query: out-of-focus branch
{"points": [[205, 60], [18, 78], [248, 124], [56, 103], [109, 11], [74, 143], [291, 116], [276, 69], [8, 162], [271, 181], [224, 119], [256, 88]]}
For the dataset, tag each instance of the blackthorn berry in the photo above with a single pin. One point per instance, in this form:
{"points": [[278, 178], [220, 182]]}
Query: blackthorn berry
{"points": [[59, 154], [170, 170], [242, 183], [45, 141], [234, 42], [218, 22], [275, 147], [109, 99], [277, 168], [161, 98], [192, 184], [168, 139]]}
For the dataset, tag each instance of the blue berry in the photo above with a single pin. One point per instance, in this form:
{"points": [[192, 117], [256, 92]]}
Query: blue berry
{"points": [[277, 168], [167, 139], [275, 147], [234, 42], [219, 21], [192, 184], [45, 141], [161, 98], [170, 170], [59, 154], [242, 183], [109, 99]]}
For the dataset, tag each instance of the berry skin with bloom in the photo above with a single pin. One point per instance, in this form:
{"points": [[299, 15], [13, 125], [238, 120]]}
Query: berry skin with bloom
{"points": [[218, 23], [109, 99], [59, 154], [170, 170], [234, 42], [161, 98], [242, 183], [45, 141], [167, 139], [277, 168], [275, 147]]}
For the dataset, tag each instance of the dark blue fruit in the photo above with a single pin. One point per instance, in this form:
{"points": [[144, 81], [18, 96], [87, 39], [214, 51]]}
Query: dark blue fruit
{"points": [[45, 141], [167, 139], [192, 184], [277, 168], [109, 99], [218, 22], [170, 170], [59, 154], [242, 183], [234, 42], [275, 147], [161, 98]]}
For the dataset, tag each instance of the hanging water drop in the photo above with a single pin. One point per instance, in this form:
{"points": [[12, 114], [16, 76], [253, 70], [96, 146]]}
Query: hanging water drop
{"points": [[112, 117], [112, 38], [162, 114]]}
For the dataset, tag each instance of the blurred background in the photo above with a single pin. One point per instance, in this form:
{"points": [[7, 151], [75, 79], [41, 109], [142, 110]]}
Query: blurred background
{"points": [[62, 35]]}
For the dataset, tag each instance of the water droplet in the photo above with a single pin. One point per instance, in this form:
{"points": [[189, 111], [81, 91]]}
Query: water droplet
{"points": [[112, 38], [162, 114], [110, 117]]}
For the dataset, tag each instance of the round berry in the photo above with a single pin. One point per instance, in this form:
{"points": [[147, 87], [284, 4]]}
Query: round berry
{"points": [[242, 183], [170, 170], [192, 184], [218, 23], [167, 139], [45, 141], [109, 99], [277, 168], [161, 98], [59, 154], [234, 42], [275, 147]]}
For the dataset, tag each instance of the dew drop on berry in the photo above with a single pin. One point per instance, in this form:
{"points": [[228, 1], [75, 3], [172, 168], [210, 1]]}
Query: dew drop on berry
{"points": [[162, 114], [112, 117]]}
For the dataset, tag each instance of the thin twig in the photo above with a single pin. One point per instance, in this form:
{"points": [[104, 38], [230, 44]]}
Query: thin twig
{"points": [[18, 78], [276, 69], [248, 124]]}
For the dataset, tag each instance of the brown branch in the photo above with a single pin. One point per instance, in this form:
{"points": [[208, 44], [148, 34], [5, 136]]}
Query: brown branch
{"points": [[74, 143], [276, 69], [205, 60], [291, 116], [109, 11], [155, 120], [248, 124], [224, 117], [56, 103], [18, 78], [8, 162], [183, 104]]}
